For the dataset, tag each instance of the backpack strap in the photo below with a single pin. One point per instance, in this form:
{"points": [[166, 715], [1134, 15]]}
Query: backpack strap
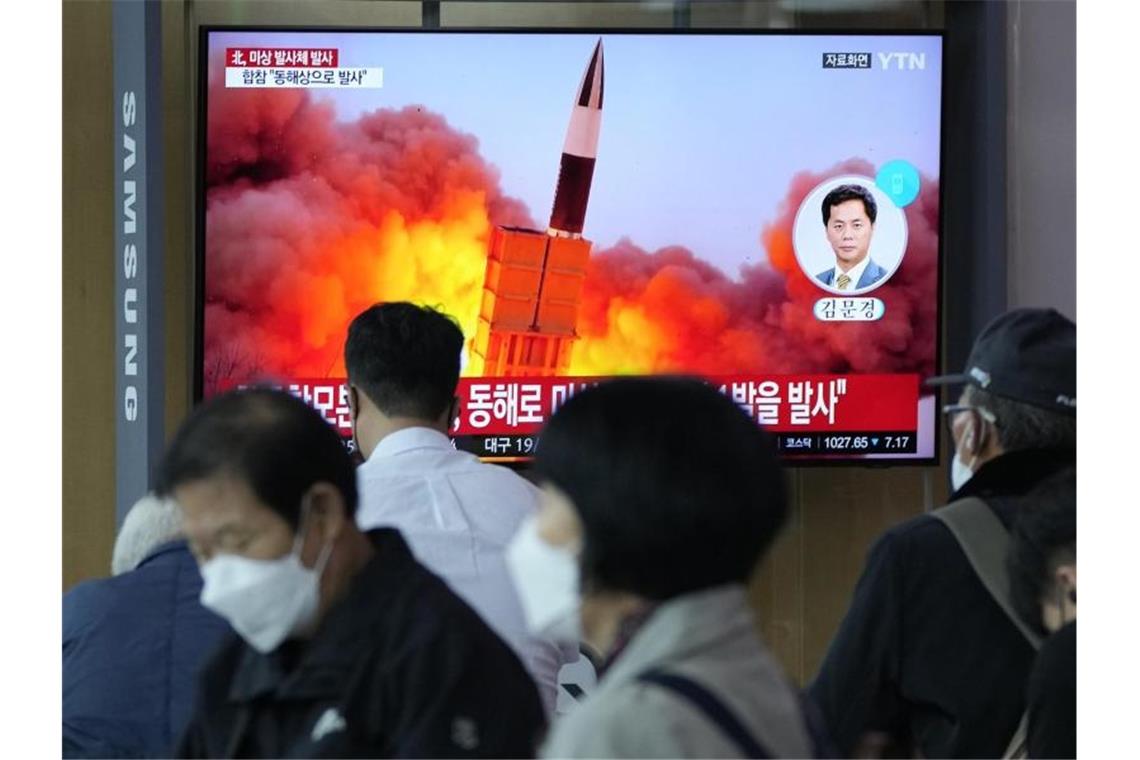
{"points": [[711, 706], [1019, 744], [821, 743], [985, 541]]}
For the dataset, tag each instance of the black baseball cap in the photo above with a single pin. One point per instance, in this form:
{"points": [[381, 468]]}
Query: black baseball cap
{"points": [[1026, 355]]}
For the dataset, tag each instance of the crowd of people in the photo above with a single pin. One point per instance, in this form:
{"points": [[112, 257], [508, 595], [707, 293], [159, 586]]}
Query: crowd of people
{"points": [[274, 598]]}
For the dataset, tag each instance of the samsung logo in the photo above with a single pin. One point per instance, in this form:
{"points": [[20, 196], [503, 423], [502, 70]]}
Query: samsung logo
{"points": [[130, 264]]}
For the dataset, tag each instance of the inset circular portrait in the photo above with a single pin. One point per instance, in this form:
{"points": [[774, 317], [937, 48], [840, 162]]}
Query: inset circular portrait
{"points": [[849, 236]]}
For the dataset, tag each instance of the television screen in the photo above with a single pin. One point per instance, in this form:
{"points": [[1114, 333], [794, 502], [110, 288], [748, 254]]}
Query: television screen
{"points": [[760, 210]]}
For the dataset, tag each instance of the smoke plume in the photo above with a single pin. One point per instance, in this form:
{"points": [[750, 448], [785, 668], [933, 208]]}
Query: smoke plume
{"points": [[669, 311], [311, 220]]}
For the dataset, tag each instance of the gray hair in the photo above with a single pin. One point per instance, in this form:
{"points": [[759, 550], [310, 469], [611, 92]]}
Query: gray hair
{"points": [[150, 523], [1023, 426]]}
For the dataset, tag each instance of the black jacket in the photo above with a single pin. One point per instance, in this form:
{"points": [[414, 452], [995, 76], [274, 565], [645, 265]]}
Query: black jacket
{"points": [[925, 654], [399, 667], [1052, 697]]}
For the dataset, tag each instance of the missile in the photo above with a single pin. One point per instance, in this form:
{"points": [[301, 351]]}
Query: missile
{"points": [[579, 152], [533, 282]]}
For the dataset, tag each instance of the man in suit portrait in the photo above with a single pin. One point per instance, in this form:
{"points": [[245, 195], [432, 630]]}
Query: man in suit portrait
{"points": [[849, 213]]}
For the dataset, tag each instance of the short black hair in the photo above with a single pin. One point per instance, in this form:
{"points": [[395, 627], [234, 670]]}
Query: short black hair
{"points": [[271, 440], [405, 358], [845, 193], [1044, 538], [677, 488]]}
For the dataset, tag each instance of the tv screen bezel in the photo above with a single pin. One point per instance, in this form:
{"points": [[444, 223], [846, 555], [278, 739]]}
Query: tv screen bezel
{"points": [[199, 206]]}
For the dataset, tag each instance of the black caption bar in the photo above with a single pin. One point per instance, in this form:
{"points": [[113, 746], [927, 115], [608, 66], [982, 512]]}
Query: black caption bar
{"points": [[789, 444], [498, 445], [817, 444]]}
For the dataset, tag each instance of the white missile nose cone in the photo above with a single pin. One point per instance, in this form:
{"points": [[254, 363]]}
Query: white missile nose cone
{"points": [[591, 91]]}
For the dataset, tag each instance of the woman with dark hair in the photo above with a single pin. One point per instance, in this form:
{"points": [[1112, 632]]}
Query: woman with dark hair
{"points": [[659, 498]]}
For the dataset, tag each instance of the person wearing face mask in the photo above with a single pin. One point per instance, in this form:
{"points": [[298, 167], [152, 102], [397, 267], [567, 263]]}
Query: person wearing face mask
{"points": [[455, 512], [659, 498], [925, 656], [345, 646], [1042, 563]]}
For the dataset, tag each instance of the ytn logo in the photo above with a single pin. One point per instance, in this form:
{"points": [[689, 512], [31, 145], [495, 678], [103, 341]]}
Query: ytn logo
{"points": [[903, 61]]}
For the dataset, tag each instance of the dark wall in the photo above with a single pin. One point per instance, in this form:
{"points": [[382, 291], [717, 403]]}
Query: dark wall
{"points": [[974, 200], [1042, 160]]}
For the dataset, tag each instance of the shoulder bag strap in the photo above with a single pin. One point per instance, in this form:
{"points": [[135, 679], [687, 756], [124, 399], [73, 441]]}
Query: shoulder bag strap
{"points": [[1019, 744], [984, 540], [712, 707]]}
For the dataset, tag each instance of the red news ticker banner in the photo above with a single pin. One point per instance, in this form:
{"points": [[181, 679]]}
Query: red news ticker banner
{"points": [[782, 403], [282, 57]]}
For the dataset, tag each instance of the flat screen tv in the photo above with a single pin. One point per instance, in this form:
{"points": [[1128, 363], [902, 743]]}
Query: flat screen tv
{"points": [[757, 209]]}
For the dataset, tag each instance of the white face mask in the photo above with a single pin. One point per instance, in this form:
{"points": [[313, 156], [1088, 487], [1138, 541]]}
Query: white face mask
{"points": [[265, 600], [546, 578], [960, 472]]}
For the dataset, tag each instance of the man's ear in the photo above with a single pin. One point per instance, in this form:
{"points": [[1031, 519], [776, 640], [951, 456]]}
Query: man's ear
{"points": [[978, 438], [353, 401], [328, 513], [453, 413], [984, 433], [969, 440]]}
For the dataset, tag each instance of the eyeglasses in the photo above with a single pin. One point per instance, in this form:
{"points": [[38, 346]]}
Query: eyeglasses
{"points": [[950, 410]]}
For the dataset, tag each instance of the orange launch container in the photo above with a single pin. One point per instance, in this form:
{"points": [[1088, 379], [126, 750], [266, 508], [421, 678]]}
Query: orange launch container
{"points": [[529, 315]]}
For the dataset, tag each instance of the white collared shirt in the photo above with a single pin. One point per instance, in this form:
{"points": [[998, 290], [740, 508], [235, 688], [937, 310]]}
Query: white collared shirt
{"points": [[458, 515], [855, 273]]}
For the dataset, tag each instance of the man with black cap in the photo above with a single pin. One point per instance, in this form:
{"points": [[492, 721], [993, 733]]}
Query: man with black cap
{"points": [[929, 658]]}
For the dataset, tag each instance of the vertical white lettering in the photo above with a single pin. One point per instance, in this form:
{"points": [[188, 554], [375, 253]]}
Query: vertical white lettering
{"points": [[129, 108], [130, 363], [129, 145], [130, 306], [129, 206], [131, 403], [130, 260]]}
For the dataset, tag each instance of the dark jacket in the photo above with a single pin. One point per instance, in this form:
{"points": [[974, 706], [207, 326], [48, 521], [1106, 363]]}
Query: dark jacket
{"points": [[1052, 697], [925, 654], [132, 648], [399, 667]]}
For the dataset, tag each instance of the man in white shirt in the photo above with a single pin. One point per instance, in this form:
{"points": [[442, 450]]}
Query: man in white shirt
{"points": [[458, 514], [849, 213]]}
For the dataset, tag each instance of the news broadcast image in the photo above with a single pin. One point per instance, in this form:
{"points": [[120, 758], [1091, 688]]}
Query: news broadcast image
{"points": [[585, 206]]}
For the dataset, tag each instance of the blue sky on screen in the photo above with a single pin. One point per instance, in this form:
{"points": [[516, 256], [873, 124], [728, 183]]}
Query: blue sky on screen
{"points": [[701, 134]]}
